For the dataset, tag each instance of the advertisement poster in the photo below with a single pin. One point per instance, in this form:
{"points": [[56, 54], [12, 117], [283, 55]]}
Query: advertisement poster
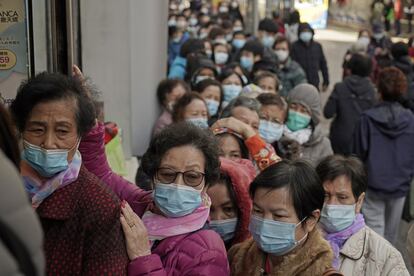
{"points": [[315, 12], [13, 48]]}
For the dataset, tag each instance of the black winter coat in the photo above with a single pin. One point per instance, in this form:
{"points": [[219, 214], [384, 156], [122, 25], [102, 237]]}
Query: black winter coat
{"points": [[346, 103], [312, 60]]}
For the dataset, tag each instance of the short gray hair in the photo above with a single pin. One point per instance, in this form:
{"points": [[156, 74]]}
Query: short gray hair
{"points": [[243, 101]]}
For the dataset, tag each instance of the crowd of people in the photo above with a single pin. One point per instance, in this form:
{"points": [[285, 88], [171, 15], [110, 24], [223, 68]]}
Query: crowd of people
{"points": [[239, 178]]}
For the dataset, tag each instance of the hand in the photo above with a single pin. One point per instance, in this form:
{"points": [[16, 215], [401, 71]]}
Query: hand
{"points": [[325, 87], [77, 73], [136, 235], [238, 126]]}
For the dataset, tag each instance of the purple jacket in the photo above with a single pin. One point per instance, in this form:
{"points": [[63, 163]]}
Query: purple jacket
{"points": [[198, 253], [92, 149]]}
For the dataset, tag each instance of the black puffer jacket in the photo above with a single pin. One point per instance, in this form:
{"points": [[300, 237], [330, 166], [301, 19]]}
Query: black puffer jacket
{"points": [[346, 103]]}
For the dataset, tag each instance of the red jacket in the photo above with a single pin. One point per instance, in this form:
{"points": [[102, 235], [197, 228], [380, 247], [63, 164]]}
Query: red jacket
{"points": [[83, 234]]}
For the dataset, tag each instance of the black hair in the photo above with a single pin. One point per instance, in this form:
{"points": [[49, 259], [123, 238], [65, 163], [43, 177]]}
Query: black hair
{"points": [[48, 87], [227, 72], [254, 46], [263, 65], [243, 148], [335, 166], [8, 140], [215, 32], [202, 85], [301, 180], [272, 99], [399, 49], [294, 17], [182, 103], [166, 86], [360, 65], [192, 45], [268, 25], [183, 134]]}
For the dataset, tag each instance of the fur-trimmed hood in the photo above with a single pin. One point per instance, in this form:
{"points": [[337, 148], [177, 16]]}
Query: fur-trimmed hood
{"points": [[312, 259]]}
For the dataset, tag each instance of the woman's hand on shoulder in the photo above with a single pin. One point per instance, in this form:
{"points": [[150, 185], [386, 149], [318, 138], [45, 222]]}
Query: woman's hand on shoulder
{"points": [[136, 235]]}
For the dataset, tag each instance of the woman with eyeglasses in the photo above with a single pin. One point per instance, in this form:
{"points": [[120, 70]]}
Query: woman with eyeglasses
{"points": [[172, 237]]}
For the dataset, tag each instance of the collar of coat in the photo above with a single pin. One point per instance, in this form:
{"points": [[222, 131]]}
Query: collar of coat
{"points": [[313, 258], [355, 245], [61, 204]]}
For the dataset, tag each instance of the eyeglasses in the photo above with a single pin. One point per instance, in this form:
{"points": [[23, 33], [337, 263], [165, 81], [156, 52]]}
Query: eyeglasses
{"points": [[168, 176]]}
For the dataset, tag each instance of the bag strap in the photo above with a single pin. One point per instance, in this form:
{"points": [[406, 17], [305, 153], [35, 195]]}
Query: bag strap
{"points": [[18, 249]]}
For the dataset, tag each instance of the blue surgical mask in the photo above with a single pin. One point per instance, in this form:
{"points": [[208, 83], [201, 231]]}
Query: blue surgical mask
{"points": [[306, 36], [200, 122], [268, 41], [297, 121], [225, 228], [270, 131], [193, 21], [46, 162], [238, 43], [274, 237], [221, 58], [212, 106], [335, 218], [175, 200], [246, 63], [231, 91]]}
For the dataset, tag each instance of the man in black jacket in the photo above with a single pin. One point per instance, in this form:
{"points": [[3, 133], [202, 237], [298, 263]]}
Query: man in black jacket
{"points": [[309, 54]]}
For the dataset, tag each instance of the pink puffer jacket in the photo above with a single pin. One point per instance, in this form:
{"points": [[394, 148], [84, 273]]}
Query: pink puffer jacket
{"points": [[198, 253], [92, 149]]}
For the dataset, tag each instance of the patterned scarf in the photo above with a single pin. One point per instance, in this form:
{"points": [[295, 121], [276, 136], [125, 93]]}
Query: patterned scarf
{"points": [[338, 239], [160, 227], [39, 189]]}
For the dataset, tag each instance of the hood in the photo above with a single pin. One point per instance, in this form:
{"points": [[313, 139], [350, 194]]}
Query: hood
{"points": [[404, 64], [359, 86], [390, 118], [241, 174], [317, 135], [305, 26], [308, 96]]}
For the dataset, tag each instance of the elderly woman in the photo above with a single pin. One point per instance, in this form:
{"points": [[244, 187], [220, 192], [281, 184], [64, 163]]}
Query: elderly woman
{"points": [[287, 199], [242, 117], [80, 217], [170, 239], [357, 248]]}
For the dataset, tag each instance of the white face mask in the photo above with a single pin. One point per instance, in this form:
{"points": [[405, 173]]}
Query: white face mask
{"points": [[282, 55]]}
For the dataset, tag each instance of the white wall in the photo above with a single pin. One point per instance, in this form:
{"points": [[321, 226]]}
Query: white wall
{"points": [[124, 51]]}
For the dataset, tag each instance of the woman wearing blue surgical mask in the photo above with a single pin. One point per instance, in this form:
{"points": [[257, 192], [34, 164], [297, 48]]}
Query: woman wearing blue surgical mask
{"points": [[273, 115], [230, 202], [52, 112], [345, 182], [303, 123], [172, 237], [287, 199], [220, 55], [193, 109], [232, 85], [212, 93]]}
